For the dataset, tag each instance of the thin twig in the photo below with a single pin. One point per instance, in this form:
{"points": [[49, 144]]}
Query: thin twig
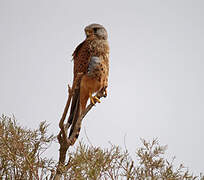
{"points": [[62, 136], [88, 138]]}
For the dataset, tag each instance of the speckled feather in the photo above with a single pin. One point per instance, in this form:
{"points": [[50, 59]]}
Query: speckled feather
{"points": [[90, 47]]}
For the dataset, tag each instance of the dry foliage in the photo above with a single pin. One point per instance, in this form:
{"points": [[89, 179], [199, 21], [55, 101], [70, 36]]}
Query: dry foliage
{"points": [[21, 151], [21, 158], [114, 164]]}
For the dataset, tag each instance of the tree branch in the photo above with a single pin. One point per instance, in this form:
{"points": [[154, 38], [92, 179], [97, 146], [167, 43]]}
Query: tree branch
{"points": [[63, 140]]}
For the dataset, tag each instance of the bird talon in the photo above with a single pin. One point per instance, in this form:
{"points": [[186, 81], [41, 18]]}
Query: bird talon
{"points": [[94, 99], [97, 99]]}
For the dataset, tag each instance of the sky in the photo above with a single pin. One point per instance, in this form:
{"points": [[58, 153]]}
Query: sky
{"points": [[156, 80]]}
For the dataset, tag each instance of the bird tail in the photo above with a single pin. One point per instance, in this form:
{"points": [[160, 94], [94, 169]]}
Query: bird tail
{"points": [[75, 111]]}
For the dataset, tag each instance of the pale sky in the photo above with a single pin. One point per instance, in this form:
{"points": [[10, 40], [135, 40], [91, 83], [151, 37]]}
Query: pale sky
{"points": [[156, 79]]}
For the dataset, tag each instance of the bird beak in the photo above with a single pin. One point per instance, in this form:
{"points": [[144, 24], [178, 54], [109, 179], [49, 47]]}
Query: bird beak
{"points": [[88, 32]]}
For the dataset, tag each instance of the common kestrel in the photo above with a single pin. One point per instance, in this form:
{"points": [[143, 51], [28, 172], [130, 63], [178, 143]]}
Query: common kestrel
{"points": [[91, 61]]}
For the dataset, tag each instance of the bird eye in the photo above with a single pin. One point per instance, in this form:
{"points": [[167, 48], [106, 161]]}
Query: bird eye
{"points": [[95, 30]]}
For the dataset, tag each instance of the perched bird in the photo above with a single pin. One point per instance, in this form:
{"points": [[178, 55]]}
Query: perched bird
{"points": [[91, 61]]}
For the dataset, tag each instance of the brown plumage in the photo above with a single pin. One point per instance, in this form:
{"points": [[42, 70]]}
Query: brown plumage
{"points": [[91, 59]]}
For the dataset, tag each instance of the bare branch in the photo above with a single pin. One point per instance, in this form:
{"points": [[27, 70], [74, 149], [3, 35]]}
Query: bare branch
{"points": [[65, 142]]}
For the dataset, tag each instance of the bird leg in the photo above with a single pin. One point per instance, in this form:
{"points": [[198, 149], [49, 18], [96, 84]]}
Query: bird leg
{"points": [[94, 99]]}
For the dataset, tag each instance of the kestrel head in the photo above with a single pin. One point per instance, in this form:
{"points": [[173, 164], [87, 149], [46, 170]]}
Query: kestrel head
{"points": [[96, 30]]}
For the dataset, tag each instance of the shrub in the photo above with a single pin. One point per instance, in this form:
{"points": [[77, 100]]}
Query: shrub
{"points": [[21, 151], [21, 157]]}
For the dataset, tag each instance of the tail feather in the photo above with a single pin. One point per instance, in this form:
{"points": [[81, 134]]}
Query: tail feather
{"points": [[74, 112], [73, 105]]}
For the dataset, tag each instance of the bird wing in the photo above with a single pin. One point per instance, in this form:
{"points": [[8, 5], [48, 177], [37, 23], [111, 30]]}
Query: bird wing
{"points": [[81, 58]]}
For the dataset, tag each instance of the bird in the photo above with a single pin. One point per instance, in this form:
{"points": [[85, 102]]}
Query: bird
{"points": [[91, 64]]}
